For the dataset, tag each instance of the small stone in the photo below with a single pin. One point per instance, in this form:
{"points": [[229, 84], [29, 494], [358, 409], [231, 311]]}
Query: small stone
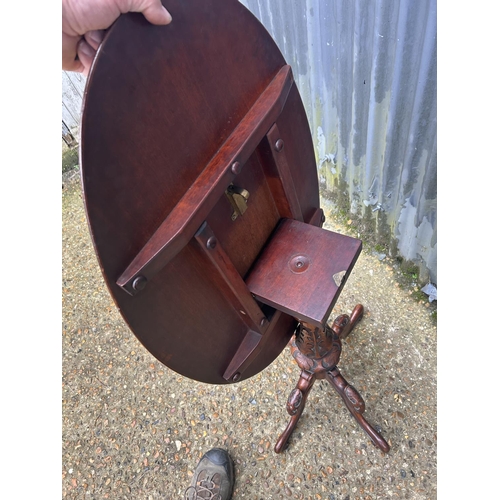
{"points": [[178, 445]]}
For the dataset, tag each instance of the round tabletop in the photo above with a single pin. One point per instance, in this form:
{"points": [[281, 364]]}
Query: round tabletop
{"points": [[162, 102]]}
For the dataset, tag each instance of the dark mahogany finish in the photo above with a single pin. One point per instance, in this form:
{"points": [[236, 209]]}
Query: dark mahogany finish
{"points": [[317, 351], [202, 197], [193, 208], [172, 116], [303, 270]]}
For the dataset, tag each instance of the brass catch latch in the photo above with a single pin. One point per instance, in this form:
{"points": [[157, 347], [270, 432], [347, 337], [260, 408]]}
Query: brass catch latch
{"points": [[238, 198]]}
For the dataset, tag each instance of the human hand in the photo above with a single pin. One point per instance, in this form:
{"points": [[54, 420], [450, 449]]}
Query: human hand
{"points": [[84, 23]]}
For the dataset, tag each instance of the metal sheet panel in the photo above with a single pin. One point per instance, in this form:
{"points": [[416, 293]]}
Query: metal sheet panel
{"points": [[366, 71]]}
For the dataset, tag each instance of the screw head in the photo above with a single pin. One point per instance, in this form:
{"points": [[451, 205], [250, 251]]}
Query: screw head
{"points": [[278, 146], [263, 321], [236, 376], [299, 264], [236, 167], [139, 283], [211, 242]]}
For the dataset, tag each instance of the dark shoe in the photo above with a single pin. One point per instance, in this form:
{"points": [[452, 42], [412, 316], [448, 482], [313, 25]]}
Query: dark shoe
{"points": [[213, 478]]}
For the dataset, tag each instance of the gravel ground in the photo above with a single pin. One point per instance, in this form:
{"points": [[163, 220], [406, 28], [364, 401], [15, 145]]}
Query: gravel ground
{"points": [[133, 429]]}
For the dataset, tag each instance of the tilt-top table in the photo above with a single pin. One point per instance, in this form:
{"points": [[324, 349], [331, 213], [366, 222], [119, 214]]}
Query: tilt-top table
{"points": [[201, 191]]}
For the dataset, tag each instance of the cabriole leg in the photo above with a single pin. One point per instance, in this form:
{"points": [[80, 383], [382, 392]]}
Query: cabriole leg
{"points": [[295, 406], [356, 406]]}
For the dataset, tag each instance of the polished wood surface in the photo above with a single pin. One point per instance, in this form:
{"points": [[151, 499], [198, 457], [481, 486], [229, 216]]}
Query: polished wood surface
{"points": [[317, 351], [193, 208], [201, 192], [165, 107], [303, 270]]}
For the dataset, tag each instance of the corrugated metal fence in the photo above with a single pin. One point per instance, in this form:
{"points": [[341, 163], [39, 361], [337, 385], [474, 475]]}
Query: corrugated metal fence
{"points": [[366, 70]]}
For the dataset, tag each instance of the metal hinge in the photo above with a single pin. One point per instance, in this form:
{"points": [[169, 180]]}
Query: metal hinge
{"points": [[238, 198]]}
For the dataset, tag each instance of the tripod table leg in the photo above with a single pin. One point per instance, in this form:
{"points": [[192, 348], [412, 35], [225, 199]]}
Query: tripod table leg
{"points": [[344, 324], [295, 406], [356, 406]]}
